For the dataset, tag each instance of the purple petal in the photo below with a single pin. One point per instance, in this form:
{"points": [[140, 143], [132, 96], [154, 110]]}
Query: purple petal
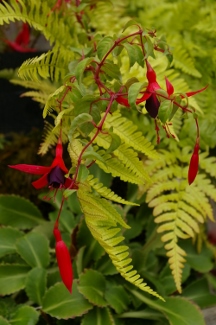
{"points": [[56, 177], [152, 105]]}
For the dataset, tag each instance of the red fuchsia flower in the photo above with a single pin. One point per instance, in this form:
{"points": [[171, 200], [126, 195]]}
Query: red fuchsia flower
{"points": [[52, 176], [64, 260], [22, 40], [194, 164]]}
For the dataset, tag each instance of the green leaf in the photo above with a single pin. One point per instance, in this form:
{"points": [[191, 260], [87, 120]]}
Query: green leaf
{"points": [[117, 298], [105, 266], [92, 285], [80, 68], [165, 110], [130, 23], [58, 302], [115, 142], [12, 278], [98, 316], [199, 292], [34, 249], [7, 307], [201, 262], [4, 321], [25, 315], [83, 173], [112, 70], [104, 46], [8, 237], [135, 54], [149, 47], [133, 93], [93, 250], [18, 212], [36, 285], [180, 311], [78, 121]]}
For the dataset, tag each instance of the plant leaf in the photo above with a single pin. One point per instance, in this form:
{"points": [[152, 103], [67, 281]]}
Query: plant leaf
{"points": [[36, 285], [199, 292], [12, 278], [18, 212], [98, 316], [59, 303], [25, 315], [34, 249], [8, 237], [117, 298], [92, 285], [104, 46]]}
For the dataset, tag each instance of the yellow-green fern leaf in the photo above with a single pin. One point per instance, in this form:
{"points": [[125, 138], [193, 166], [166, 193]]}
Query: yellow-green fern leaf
{"points": [[117, 168], [127, 131], [102, 219], [49, 139], [126, 154], [177, 207], [36, 14], [51, 65], [106, 192]]}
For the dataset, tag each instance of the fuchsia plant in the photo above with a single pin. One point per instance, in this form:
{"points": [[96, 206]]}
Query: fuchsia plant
{"points": [[56, 176]]}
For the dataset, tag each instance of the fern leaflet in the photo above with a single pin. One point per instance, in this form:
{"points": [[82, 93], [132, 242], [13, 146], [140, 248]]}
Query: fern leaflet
{"points": [[102, 219]]}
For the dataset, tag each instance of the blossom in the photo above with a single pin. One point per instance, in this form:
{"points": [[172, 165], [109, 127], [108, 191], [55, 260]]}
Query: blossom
{"points": [[52, 176], [151, 94], [64, 260], [20, 44], [194, 164]]}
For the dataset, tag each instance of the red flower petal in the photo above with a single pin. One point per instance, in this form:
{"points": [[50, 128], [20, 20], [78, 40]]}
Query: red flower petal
{"points": [[194, 165], [24, 36], [58, 161], [169, 87], [41, 182], [31, 169], [123, 101], [150, 74], [191, 93], [143, 98]]}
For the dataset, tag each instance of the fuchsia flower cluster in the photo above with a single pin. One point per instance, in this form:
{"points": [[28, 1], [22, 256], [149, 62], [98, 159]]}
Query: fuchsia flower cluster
{"points": [[152, 104]]}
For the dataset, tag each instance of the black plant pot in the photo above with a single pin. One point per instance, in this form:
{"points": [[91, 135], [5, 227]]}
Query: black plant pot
{"points": [[17, 114]]}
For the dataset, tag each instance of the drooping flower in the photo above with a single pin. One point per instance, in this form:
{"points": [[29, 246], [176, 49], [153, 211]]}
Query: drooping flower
{"points": [[64, 260], [194, 165], [21, 43], [52, 176]]}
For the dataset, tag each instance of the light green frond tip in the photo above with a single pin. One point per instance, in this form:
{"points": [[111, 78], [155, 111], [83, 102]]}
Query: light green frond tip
{"points": [[106, 192], [102, 220]]}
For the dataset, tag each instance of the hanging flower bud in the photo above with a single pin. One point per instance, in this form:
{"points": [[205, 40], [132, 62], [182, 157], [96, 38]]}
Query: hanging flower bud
{"points": [[194, 164], [64, 260]]}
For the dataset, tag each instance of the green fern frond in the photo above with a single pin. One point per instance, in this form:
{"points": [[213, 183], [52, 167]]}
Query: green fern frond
{"points": [[43, 86], [51, 65], [117, 168], [127, 131], [37, 96], [52, 100], [183, 61], [49, 138], [178, 208], [125, 154], [102, 219], [36, 14], [106, 192]]}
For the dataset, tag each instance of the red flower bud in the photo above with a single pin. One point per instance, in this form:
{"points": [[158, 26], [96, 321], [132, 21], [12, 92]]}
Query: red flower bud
{"points": [[64, 260], [194, 165]]}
